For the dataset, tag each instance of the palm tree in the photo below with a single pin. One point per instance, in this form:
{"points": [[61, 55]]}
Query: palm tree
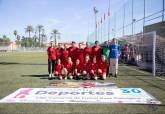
{"points": [[15, 33], [55, 32], [39, 28], [29, 29], [18, 39]]}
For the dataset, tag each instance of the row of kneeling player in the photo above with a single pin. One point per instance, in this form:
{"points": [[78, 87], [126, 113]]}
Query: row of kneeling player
{"points": [[88, 70]]}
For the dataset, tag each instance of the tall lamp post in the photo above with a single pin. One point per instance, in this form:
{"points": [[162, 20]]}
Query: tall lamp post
{"points": [[109, 20], [55, 33], [95, 14]]}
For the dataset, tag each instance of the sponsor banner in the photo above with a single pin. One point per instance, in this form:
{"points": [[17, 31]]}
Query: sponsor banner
{"points": [[81, 95], [62, 84]]}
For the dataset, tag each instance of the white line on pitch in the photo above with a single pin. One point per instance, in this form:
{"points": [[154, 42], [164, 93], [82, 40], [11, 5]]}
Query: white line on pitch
{"points": [[136, 70], [142, 72]]}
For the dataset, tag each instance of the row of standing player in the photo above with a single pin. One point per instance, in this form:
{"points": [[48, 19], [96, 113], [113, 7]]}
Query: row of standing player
{"points": [[87, 63]]}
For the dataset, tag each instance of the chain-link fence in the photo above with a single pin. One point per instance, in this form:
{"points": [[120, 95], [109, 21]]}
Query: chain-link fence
{"points": [[130, 19], [146, 51]]}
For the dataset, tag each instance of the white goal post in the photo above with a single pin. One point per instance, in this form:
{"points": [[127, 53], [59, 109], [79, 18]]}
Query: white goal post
{"points": [[147, 50]]}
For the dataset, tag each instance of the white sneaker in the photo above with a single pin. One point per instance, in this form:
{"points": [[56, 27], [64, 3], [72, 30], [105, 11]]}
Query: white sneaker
{"points": [[96, 78], [53, 76], [71, 77], [50, 75], [65, 78], [60, 77]]}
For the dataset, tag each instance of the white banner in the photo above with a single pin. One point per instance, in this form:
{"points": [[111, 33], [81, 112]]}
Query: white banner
{"points": [[64, 84], [80, 95]]}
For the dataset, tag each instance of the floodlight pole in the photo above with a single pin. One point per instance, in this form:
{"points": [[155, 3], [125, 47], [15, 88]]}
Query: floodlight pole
{"points": [[109, 21], [163, 12], [95, 14], [144, 15], [124, 20], [154, 54], [132, 17]]}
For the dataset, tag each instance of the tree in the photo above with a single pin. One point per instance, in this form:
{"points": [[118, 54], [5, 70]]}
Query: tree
{"points": [[39, 28], [55, 33], [18, 38], [15, 33], [29, 29], [23, 41]]}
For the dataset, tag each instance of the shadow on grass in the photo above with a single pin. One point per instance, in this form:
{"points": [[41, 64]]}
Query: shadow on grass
{"points": [[41, 76], [16, 63], [140, 75]]}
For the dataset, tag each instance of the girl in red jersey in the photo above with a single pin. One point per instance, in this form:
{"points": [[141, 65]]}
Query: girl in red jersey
{"points": [[96, 51], [94, 69], [77, 69], [80, 53], [103, 64], [59, 51], [86, 68], [65, 55], [68, 69], [88, 50], [58, 69], [51, 51], [72, 51]]}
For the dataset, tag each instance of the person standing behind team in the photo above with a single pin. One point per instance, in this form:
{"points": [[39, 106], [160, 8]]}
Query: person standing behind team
{"points": [[88, 51], [114, 54], [59, 52], [80, 53], [72, 51], [96, 51], [51, 51], [65, 55], [106, 53]]}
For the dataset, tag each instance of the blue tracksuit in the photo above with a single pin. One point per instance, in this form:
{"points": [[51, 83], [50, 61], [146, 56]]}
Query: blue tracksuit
{"points": [[114, 51]]}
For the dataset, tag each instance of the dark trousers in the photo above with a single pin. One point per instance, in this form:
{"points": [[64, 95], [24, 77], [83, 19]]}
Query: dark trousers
{"points": [[51, 65]]}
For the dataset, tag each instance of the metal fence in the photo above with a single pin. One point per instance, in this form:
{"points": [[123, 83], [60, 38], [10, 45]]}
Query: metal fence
{"points": [[130, 19]]}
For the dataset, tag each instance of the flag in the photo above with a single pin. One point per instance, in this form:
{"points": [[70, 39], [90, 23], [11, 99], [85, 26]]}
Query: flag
{"points": [[104, 16], [108, 13], [95, 10]]}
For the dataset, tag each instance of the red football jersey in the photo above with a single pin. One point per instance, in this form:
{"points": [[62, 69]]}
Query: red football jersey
{"points": [[65, 55], [87, 51], [103, 66], [96, 51], [72, 53], [58, 68], [68, 66], [80, 55], [51, 53], [59, 53], [86, 67], [94, 66], [78, 67]]}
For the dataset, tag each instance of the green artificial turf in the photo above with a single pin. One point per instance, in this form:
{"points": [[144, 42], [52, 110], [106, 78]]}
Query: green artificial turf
{"points": [[23, 70]]}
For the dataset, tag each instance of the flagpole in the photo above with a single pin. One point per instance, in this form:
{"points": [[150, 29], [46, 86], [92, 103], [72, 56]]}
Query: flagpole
{"points": [[109, 21], [95, 14]]}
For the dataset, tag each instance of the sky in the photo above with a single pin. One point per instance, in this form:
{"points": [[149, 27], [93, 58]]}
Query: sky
{"points": [[73, 18]]}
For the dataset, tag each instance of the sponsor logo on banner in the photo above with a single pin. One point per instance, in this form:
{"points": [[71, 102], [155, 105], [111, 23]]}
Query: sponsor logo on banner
{"points": [[59, 84], [81, 95]]}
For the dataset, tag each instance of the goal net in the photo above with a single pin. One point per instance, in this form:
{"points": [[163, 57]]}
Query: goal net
{"points": [[146, 51]]}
